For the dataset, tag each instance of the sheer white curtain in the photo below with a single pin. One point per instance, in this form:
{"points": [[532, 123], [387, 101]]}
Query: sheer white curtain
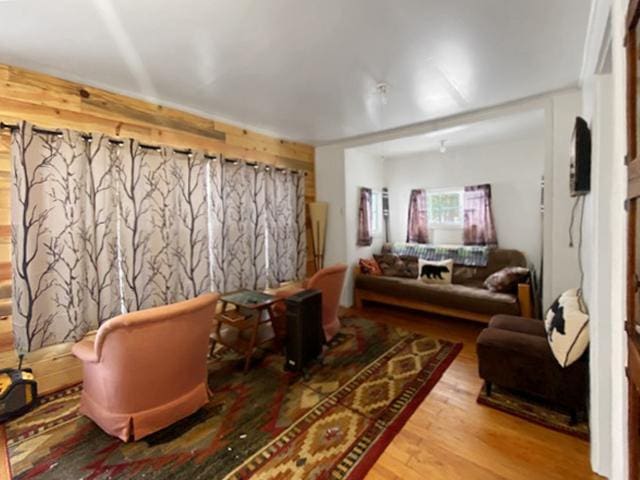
{"points": [[479, 225]]}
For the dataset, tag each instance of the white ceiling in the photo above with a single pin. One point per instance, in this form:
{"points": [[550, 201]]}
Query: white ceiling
{"points": [[304, 69], [529, 124]]}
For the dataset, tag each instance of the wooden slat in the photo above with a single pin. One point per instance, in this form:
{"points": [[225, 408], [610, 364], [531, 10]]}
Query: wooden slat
{"points": [[5, 468], [109, 105], [50, 117], [5, 270], [47, 91]]}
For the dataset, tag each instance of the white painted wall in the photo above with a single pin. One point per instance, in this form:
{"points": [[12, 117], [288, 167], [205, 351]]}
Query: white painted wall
{"points": [[361, 170], [514, 170], [560, 259], [330, 188], [597, 227]]}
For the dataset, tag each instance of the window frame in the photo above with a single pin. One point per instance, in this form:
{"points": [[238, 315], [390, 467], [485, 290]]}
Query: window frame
{"points": [[446, 225]]}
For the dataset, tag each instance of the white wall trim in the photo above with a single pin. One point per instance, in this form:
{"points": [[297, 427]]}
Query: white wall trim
{"points": [[599, 269], [619, 420]]}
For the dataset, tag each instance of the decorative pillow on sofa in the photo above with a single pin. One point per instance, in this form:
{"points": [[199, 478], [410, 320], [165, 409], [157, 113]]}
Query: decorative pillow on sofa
{"points": [[369, 266], [506, 280], [405, 266], [435, 271], [567, 328]]}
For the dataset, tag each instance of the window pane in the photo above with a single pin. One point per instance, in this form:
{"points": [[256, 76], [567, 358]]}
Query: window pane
{"points": [[445, 208], [375, 212]]}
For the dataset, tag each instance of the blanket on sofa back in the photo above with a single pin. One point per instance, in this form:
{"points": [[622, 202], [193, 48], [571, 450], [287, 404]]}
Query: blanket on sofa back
{"points": [[469, 256]]}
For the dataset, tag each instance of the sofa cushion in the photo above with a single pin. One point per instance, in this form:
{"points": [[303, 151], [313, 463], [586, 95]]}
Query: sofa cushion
{"points": [[405, 266], [369, 266], [506, 279], [499, 258], [460, 297], [530, 326], [435, 271]]}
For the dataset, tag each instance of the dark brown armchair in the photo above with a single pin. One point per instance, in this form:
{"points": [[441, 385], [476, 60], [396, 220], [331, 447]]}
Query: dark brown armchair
{"points": [[513, 352]]}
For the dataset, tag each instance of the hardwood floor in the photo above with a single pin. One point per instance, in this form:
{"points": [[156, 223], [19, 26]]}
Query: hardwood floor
{"points": [[448, 437]]}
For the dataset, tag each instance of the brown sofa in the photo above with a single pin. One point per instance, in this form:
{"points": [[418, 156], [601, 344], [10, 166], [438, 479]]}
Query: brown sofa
{"points": [[465, 298], [513, 353]]}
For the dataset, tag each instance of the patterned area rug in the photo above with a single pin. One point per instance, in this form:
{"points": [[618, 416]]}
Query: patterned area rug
{"points": [[532, 410], [266, 424]]}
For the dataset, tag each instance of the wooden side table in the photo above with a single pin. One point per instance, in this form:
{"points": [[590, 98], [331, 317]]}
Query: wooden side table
{"points": [[246, 327]]}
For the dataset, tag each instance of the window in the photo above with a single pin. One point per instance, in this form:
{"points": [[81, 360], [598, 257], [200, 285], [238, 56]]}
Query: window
{"points": [[376, 213], [445, 208]]}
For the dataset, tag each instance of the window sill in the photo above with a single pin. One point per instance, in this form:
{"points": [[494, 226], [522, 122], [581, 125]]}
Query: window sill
{"points": [[446, 227]]}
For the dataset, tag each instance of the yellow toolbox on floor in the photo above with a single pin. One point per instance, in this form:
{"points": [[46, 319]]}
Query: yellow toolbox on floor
{"points": [[18, 392]]}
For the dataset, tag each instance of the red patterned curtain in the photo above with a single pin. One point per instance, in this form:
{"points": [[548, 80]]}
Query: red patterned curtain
{"points": [[479, 226], [365, 236], [417, 231]]}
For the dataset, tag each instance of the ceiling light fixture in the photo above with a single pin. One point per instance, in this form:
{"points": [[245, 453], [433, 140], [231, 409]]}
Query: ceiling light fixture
{"points": [[443, 147], [382, 89]]}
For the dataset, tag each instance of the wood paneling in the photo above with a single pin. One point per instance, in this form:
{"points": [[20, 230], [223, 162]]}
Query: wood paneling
{"points": [[51, 102]]}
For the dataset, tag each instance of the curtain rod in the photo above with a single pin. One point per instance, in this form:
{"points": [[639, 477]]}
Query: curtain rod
{"points": [[42, 131], [88, 137], [267, 167]]}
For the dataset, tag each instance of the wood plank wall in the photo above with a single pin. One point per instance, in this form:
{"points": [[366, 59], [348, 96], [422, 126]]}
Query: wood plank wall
{"points": [[51, 102]]}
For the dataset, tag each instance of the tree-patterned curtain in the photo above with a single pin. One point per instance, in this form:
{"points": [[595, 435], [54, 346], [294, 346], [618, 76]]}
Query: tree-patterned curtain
{"points": [[238, 218], [63, 236], [286, 242], [101, 227], [163, 225]]}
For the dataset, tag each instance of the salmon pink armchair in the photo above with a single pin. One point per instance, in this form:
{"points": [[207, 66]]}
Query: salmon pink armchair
{"points": [[147, 369], [329, 281]]}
